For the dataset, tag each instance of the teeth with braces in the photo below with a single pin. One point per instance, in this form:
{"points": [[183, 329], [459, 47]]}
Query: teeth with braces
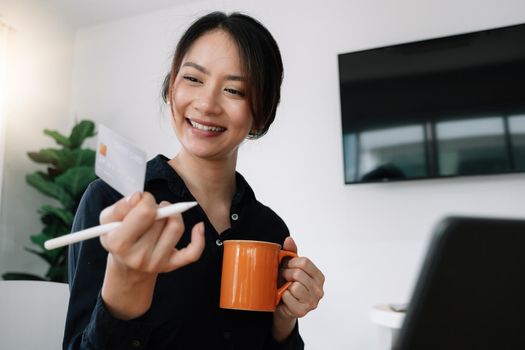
{"points": [[205, 128]]}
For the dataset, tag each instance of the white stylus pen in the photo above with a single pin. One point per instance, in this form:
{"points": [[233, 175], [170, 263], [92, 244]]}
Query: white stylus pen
{"points": [[96, 231]]}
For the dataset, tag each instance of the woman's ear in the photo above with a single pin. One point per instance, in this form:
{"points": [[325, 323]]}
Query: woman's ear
{"points": [[255, 128], [253, 132]]}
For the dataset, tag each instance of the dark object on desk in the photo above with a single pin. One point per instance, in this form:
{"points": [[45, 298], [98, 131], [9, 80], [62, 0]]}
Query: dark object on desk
{"points": [[398, 307], [471, 289]]}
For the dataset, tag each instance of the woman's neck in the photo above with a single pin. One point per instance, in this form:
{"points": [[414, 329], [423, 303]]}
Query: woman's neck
{"points": [[210, 181]]}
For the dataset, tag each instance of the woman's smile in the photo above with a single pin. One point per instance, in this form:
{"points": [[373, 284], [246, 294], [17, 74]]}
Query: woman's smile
{"points": [[206, 127]]}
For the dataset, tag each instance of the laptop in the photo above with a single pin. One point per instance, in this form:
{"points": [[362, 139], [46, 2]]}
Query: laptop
{"points": [[470, 293]]}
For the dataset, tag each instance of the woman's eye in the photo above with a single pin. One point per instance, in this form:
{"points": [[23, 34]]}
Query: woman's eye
{"points": [[191, 79], [234, 92]]}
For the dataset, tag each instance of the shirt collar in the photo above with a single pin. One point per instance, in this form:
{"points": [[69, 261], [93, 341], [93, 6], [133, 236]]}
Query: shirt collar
{"points": [[159, 169]]}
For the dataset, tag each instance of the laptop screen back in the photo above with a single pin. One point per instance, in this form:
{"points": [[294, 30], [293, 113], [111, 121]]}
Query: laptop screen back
{"points": [[471, 290]]}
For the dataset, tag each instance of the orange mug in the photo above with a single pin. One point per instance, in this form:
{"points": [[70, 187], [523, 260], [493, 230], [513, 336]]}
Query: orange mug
{"points": [[249, 275]]}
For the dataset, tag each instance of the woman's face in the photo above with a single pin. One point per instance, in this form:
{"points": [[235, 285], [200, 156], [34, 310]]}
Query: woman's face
{"points": [[211, 113]]}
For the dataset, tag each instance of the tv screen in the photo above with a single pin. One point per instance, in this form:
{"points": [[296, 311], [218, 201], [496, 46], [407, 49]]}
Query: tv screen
{"points": [[435, 108]]}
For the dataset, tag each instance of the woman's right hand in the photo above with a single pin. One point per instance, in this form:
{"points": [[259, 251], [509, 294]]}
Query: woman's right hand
{"points": [[139, 250]]}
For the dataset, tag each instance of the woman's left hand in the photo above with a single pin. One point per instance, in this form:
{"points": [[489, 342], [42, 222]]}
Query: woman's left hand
{"points": [[306, 289], [301, 297]]}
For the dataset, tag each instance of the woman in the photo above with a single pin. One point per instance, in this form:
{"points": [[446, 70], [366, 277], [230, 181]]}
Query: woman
{"points": [[132, 288]]}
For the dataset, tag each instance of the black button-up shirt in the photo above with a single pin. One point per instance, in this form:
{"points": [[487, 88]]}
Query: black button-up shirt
{"points": [[185, 312]]}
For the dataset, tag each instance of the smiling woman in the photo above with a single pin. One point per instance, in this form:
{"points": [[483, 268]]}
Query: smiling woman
{"points": [[156, 284]]}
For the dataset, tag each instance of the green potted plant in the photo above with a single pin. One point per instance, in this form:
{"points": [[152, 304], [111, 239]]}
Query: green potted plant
{"points": [[70, 169]]}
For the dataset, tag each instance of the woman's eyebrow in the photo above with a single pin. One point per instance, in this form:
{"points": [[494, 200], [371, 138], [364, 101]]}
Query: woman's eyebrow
{"points": [[235, 77], [207, 72], [196, 66]]}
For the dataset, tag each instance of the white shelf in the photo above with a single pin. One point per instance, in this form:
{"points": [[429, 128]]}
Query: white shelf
{"points": [[383, 315]]}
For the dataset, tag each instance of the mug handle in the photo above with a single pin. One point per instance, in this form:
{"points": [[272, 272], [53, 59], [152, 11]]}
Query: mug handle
{"points": [[280, 291]]}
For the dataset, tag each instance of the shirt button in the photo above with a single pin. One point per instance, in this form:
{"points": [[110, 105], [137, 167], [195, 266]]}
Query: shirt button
{"points": [[235, 216], [135, 343], [218, 242]]}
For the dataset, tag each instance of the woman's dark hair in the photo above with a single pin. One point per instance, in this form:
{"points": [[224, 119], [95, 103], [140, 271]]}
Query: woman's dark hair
{"points": [[260, 59]]}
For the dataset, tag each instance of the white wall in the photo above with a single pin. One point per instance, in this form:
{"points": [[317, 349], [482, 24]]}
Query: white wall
{"points": [[368, 239], [39, 97]]}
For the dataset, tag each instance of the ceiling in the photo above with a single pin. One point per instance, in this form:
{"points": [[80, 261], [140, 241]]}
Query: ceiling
{"points": [[87, 12]]}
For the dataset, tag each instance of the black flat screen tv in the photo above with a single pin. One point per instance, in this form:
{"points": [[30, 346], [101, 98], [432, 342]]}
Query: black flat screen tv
{"points": [[442, 107]]}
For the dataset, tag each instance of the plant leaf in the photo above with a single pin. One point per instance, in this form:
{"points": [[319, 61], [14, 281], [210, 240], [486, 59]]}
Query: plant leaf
{"points": [[58, 137], [44, 175], [55, 228], [65, 216], [52, 257], [39, 239], [45, 156], [76, 180], [50, 189], [80, 132], [66, 159], [53, 172], [43, 255], [57, 273], [84, 157], [21, 276], [55, 255], [70, 170]]}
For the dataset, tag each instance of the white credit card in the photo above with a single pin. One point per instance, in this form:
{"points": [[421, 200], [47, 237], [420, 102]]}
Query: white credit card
{"points": [[119, 163]]}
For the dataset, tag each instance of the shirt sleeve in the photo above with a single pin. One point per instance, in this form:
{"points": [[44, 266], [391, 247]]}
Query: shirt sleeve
{"points": [[293, 342], [106, 332], [89, 325]]}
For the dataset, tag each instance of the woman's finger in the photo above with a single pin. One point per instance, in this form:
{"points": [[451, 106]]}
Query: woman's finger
{"points": [[191, 252], [142, 252], [138, 221], [290, 245], [307, 266], [298, 275], [120, 209], [168, 239], [314, 288], [284, 309], [296, 308], [151, 237], [299, 292]]}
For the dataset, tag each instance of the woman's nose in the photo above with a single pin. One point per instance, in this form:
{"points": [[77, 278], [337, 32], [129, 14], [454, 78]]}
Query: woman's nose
{"points": [[207, 102]]}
